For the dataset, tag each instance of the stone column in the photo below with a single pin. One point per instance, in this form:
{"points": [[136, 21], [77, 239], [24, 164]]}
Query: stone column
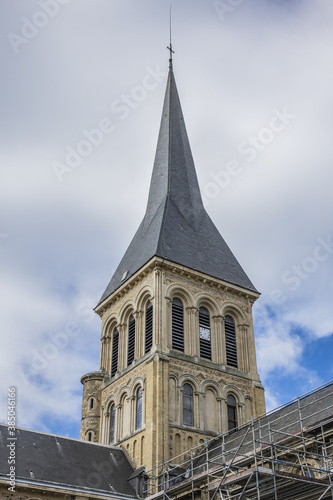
{"points": [[181, 390], [224, 415], [105, 417], [201, 420], [220, 354], [132, 401], [157, 307], [192, 345], [220, 402], [122, 349], [168, 335], [139, 334], [240, 414], [108, 353], [118, 427], [187, 329], [179, 399], [101, 357], [244, 351]]}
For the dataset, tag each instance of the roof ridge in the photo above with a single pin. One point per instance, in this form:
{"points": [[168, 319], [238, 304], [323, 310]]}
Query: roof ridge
{"points": [[58, 436]]}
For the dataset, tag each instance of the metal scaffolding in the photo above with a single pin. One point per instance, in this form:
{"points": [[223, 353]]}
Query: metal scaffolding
{"points": [[286, 454]]}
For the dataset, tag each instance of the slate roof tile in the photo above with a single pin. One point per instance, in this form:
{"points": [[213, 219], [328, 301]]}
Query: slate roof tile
{"points": [[68, 463]]}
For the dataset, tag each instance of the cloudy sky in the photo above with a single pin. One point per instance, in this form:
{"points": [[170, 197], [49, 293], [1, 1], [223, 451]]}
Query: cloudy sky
{"points": [[82, 88]]}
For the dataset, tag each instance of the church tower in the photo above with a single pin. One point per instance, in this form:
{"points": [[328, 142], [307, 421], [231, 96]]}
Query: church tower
{"points": [[178, 362]]}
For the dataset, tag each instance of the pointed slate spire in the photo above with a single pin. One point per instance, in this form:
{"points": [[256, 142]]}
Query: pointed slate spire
{"points": [[176, 225], [174, 173]]}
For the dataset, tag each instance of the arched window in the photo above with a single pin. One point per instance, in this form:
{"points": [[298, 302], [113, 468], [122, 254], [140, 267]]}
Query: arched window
{"points": [[114, 357], [188, 405], [149, 327], [89, 436], [138, 420], [177, 325], [232, 412], [204, 331], [131, 340], [112, 423], [91, 404], [230, 341]]}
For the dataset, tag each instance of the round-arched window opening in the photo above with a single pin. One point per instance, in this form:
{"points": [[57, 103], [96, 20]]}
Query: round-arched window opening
{"points": [[232, 413], [188, 415]]}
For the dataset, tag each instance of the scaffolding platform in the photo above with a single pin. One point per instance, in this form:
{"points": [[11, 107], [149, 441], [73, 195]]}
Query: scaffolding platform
{"points": [[285, 454]]}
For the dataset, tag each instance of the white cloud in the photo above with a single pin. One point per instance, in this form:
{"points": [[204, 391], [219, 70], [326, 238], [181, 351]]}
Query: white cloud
{"points": [[277, 347]]}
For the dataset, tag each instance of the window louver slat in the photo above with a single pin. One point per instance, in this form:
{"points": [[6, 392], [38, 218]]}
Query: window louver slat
{"points": [[149, 327], [114, 359], [205, 349], [131, 341], [177, 325], [230, 341]]}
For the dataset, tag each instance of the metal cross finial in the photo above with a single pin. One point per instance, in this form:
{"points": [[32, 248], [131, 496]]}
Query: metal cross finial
{"points": [[170, 47], [171, 52]]}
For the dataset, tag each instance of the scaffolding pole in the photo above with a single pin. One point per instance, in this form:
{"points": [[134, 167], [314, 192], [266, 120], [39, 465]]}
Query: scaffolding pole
{"points": [[283, 455]]}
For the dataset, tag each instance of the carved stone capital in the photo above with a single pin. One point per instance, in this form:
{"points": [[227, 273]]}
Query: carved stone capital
{"points": [[138, 314], [169, 301], [218, 319], [193, 310]]}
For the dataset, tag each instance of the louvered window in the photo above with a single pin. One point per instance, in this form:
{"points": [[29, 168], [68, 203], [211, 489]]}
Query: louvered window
{"points": [[204, 333], [138, 421], [114, 358], [177, 325], [112, 423], [187, 404], [131, 340], [230, 341], [232, 412], [149, 327]]}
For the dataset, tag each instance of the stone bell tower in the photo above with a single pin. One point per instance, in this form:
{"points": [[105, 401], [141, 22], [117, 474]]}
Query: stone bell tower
{"points": [[178, 362]]}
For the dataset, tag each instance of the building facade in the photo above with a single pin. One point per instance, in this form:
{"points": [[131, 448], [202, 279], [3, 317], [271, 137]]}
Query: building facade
{"points": [[177, 360], [176, 409]]}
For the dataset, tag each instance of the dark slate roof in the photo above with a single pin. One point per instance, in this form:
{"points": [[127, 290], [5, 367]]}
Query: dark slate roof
{"points": [[46, 459], [176, 226]]}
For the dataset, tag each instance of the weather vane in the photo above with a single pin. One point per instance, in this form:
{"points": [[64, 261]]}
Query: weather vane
{"points": [[170, 47]]}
